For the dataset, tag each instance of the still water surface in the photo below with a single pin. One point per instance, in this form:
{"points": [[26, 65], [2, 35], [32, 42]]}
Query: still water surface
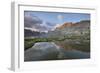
{"points": [[53, 51]]}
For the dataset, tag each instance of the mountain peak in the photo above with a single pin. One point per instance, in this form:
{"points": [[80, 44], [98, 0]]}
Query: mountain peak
{"points": [[66, 24], [84, 23]]}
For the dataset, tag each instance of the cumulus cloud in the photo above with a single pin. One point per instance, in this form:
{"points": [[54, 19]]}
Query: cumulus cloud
{"points": [[50, 24], [33, 22], [30, 20]]}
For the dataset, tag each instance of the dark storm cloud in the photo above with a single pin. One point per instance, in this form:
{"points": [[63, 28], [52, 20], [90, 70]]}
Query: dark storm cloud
{"points": [[34, 22], [31, 21], [50, 24]]}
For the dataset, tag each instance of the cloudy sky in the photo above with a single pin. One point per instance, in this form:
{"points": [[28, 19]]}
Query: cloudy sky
{"points": [[45, 21]]}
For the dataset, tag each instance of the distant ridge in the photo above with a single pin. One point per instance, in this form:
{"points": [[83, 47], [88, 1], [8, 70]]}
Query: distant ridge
{"points": [[83, 23], [66, 24]]}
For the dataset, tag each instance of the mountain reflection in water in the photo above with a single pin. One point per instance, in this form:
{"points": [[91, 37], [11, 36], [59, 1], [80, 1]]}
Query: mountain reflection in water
{"points": [[52, 51]]}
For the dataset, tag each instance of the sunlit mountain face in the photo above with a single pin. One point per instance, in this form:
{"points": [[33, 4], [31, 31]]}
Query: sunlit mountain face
{"points": [[81, 24], [56, 36], [49, 21]]}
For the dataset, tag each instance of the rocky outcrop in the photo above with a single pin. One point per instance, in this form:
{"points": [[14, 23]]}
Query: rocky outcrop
{"points": [[67, 29], [81, 24], [65, 25]]}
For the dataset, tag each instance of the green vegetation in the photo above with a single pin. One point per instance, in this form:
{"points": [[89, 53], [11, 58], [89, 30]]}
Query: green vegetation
{"points": [[83, 40], [28, 44]]}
